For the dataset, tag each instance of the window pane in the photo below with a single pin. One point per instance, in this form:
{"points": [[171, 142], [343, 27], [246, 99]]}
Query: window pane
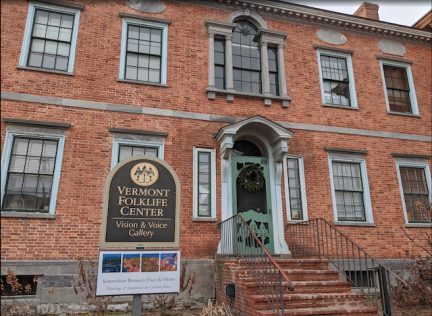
{"points": [[67, 21], [30, 183], [144, 34], [131, 59], [156, 35], [48, 62], [154, 62], [15, 182], [63, 49], [151, 152], [41, 17], [154, 76], [38, 45], [131, 73], [204, 178], [39, 30], [133, 32], [65, 35], [155, 48], [143, 61], [52, 32], [35, 60], [143, 74]]}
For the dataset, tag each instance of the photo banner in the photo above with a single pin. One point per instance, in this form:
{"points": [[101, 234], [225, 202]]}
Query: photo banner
{"points": [[130, 272]]}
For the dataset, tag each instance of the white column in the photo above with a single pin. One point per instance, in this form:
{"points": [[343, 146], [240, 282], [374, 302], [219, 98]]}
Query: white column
{"points": [[228, 62], [265, 68], [281, 71], [211, 67]]}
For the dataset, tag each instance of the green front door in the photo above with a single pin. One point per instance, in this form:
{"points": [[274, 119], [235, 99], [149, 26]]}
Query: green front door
{"points": [[254, 207]]}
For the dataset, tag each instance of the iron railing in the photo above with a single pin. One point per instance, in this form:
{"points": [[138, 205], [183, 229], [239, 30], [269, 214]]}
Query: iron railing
{"points": [[238, 239], [318, 238]]}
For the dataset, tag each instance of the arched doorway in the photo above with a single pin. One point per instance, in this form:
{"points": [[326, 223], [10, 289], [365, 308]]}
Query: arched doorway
{"points": [[260, 143], [251, 191]]}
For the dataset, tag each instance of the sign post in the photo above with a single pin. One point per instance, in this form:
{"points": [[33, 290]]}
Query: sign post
{"points": [[141, 209]]}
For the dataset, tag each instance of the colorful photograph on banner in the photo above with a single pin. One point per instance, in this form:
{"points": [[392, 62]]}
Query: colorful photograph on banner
{"points": [[150, 262], [131, 263], [168, 262], [111, 263]]}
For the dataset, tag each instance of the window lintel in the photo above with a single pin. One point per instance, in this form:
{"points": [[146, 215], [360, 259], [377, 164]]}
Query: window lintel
{"points": [[346, 150], [334, 49], [219, 28], [68, 5], [394, 59], [14, 121], [413, 156], [272, 37], [144, 18], [136, 131]]}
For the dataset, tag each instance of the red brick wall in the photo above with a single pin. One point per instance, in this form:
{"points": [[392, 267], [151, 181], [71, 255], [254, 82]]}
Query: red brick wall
{"points": [[88, 146]]}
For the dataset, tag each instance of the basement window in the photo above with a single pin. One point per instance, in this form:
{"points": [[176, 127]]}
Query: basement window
{"points": [[361, 278], [27, 285]]}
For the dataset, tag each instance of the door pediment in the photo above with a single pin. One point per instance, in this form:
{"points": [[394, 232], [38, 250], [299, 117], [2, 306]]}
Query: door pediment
{"points": [[275, 134]]}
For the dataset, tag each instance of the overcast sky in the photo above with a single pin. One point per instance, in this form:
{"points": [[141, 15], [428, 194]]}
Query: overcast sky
{"points": [[396, 11]]}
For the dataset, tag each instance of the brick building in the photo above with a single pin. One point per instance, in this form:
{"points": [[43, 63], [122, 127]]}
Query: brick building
{"points": [[335, 108]]}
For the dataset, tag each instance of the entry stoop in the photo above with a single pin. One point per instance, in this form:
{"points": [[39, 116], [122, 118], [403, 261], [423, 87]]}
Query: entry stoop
{"points": [[318, 290]]}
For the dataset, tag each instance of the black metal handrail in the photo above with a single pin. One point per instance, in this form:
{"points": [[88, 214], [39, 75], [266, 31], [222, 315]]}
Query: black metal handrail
{"points": [[238, 239], [319, 238]]}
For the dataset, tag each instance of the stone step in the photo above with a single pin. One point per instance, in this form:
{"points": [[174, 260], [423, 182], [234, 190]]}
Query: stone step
{"points": [[295, 301], [327, 311], [293, 275], [304, 287]]}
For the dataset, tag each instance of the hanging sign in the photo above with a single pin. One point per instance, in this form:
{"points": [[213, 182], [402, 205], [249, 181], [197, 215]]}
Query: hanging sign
{"points": [[141, 205]]}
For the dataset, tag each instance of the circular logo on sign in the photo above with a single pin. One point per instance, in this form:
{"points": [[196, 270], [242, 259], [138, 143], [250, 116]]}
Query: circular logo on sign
{"points": [[144, 174]]}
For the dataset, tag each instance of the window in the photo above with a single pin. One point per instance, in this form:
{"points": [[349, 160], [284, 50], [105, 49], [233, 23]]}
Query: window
{"points": [[399, 87], [204, 195], [337, 79], [144, 51], [219, 63], [350, 188], [295, 191], [246, 58], [50, 38], [32, 171], [415, 185], [28, 285], [273, 70], [124, 148]]}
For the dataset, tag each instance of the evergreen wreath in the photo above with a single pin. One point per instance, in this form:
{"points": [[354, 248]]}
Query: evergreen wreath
{"points": [[251, 178]]}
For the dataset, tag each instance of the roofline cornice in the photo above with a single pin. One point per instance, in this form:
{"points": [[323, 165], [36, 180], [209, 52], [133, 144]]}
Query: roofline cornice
{"points": [[321, 18]]}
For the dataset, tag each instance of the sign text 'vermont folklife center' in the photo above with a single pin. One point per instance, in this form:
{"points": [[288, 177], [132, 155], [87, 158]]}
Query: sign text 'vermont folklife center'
{"points": [[141, 205]]}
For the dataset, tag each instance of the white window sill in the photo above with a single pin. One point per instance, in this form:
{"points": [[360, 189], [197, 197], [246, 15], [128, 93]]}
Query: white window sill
{"points": [[346, 107], [422, 225], [28, 215], [211, 93], [46, 70], [204, 219], [144, 83], [404, 114], [354, 224]]}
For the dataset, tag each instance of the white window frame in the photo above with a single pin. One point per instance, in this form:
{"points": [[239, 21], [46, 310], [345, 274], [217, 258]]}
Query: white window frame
{"points": [[197, 150], [412, 94], [7, 151], [164, 42], [126, 142], [302, 187], [413, 163], [25, 49], [335, 157], [351, 85]]}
